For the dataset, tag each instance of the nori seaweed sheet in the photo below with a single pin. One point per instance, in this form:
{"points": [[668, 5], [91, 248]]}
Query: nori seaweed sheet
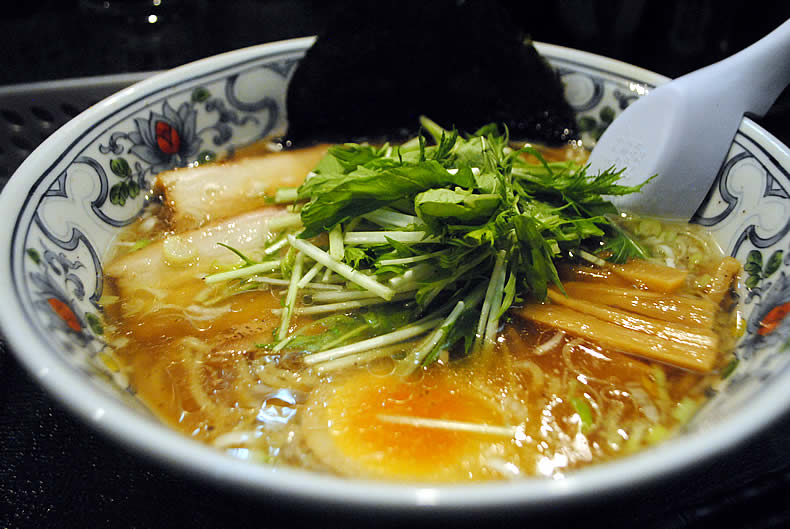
{"points": [[379, 65]]}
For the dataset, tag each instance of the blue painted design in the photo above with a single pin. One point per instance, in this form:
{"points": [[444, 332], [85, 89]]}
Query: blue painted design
{"points": [[71, 244], [58, 289], [162, 140], [104, 192], [768, 324], [58, 188], [774, 188], [128, 147], [720, 184], [284, 67], [624, 98], [595, 95], [226, 118]]}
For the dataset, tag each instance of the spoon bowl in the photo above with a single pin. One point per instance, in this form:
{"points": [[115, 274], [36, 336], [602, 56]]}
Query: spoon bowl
{"points": [[682, 130]]}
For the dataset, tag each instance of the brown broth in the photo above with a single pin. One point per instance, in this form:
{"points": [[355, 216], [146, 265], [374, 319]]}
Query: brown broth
{"points": [[202, 369]]}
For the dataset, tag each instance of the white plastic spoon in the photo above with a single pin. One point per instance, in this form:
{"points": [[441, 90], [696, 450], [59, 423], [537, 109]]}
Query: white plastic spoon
{"points": [[683, 129]]}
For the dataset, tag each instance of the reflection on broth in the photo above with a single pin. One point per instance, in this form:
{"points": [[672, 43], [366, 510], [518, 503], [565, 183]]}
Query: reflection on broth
{"points": [[618, 358]]}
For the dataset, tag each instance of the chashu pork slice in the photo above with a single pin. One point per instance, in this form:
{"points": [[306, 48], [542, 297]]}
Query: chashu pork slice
{"points": [[179, 258], [196, 196]]}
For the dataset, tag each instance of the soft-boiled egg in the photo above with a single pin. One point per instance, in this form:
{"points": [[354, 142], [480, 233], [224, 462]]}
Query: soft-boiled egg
{"points": [[433, 427]]}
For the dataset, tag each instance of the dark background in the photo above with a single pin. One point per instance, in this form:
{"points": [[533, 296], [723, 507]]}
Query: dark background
{"points": [[54, 472]]}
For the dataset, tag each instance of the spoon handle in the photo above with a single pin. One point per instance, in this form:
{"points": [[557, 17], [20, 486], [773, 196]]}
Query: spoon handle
{"points": [[748, 81]]}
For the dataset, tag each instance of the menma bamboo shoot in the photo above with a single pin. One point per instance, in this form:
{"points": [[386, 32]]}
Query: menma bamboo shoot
{"points": [[620, 338]]}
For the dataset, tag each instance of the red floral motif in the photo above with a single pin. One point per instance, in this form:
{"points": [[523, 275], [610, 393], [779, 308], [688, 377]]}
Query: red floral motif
{"points": [[167, 138], [773, 319], [65, 313]]}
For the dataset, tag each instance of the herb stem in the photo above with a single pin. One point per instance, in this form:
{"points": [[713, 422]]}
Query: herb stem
{"points": [[409, 331], [286, 194], [410, 278], [286, 282], [488, 303], [284, 221], [380, 237], [243, 272], [310, 275], [290, 298], [496, 302], [345, 305], [340, 340], [345, 295], [415, 358], [413, 259], [343, 269], [456, 426], [388, 217], [587, 256], [336, 243], [275, 247], [361, 358]]}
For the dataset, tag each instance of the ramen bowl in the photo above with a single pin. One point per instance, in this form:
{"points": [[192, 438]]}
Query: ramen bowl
{"points": [[70, 198]]}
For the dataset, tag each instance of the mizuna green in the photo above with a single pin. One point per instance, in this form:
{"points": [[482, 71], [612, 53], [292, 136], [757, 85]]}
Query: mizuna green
{"points": [[449, 235]]}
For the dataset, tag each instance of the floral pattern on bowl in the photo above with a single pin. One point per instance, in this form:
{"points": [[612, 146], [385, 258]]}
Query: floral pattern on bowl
{"points": [[107, 178], [90, 180]]}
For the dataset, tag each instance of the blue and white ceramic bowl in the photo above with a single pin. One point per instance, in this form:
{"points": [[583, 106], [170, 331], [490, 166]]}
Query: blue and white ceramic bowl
{"points": [[66, 202]]}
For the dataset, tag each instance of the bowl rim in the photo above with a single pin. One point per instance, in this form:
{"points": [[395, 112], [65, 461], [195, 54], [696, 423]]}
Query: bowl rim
{"points": [[155, 440]]}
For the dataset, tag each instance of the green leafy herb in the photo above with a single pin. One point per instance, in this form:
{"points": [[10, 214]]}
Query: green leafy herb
{"points": [[583, 410], [140, 244], [247, 261], [476, 196], [456, 230], [622, 246], [355, 256]]}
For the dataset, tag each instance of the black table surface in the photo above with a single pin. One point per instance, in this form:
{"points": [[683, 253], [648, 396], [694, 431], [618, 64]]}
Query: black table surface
{"points": [[57, 472]]}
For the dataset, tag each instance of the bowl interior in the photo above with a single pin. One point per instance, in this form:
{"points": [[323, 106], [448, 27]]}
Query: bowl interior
{"points": [[87, 181]]}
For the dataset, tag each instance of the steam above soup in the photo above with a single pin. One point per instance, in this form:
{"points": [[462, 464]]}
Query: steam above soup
{"points": [[466, 310]]}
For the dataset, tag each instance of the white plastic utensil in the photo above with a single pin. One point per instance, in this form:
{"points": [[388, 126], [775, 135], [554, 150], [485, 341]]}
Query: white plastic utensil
{"points": [[683, 129]]}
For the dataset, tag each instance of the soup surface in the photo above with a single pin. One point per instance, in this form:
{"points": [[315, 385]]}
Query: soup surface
{"points": [[618, 358]]}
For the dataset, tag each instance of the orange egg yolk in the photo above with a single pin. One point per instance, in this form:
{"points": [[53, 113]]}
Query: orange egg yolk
{"points": [[365, 440]]}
